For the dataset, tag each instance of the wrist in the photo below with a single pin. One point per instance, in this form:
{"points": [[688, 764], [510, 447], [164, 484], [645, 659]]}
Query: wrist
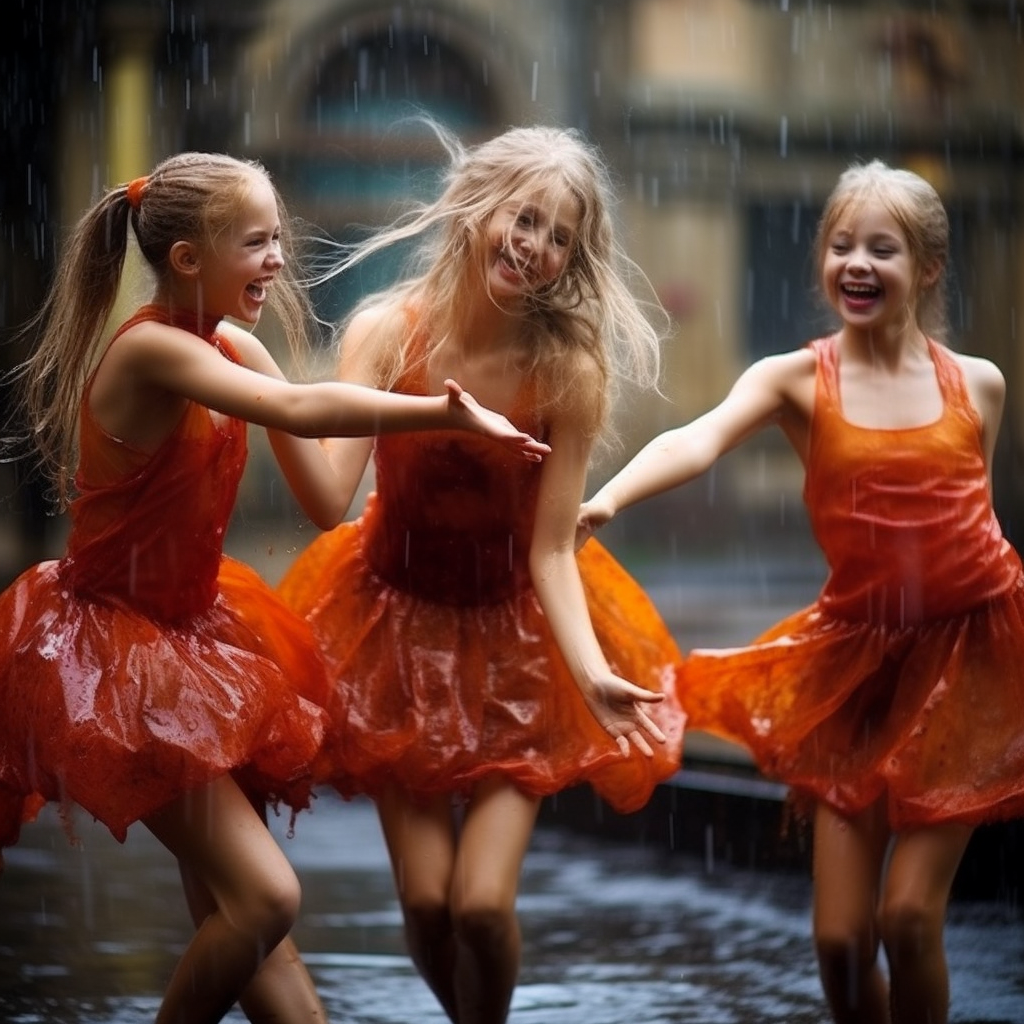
{"points": [[605, 501]]}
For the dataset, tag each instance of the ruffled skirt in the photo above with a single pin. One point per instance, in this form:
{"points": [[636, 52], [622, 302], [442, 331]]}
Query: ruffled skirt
{"points": [[929, 718], [434, 698], [120, 714]]}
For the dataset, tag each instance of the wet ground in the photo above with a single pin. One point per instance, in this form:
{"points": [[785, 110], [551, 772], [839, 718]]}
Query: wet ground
{"points": [[614, 934]]}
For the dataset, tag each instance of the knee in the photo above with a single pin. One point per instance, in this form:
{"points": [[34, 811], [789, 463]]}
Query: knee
{"points": [[425, 918], [483, 923], [909, 929], [269, 907], [845, 953]]}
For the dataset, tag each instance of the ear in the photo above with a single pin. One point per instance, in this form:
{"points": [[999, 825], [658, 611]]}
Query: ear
{"points": [[931, 274], [184, 259]]}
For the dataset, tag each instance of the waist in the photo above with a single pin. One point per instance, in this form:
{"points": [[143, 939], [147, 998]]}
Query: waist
{"points": [[901, 593], [447, 566], [154, 580]]}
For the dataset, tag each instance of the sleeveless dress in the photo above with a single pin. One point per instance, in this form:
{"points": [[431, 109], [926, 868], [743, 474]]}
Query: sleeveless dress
{"points": [[143, 663], [445, 668], [905, 679]]}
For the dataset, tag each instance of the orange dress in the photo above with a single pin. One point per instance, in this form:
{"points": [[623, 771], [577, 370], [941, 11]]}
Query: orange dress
{"points": [[445, 668], [905, 679], [144, 664]]}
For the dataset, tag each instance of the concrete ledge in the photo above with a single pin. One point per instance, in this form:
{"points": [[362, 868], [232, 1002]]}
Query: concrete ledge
{"points": [[720, 809]]}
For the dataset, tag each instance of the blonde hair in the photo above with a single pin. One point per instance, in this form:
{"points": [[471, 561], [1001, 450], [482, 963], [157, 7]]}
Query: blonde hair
{"points": [[917, 208], [189, 196], [589, 318]]}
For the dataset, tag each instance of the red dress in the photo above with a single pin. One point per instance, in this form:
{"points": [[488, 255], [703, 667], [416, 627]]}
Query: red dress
{"points": [[905, 679], [144, 663], [445, 668]]}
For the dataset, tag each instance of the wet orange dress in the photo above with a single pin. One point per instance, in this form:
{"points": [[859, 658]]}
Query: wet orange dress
{"points": [[445, 668], [905, 680], [144, 663]]}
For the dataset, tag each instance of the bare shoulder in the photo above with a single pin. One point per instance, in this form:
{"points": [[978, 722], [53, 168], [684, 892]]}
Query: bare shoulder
{"points": [[581, 390], [367, 341], [794, 366], [981, 374], [986, 387], [146, 344], [788, 375]]}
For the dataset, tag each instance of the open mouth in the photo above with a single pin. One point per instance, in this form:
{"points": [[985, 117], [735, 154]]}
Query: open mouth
{"points": [[256, 291], [861, 292], [512, 266]]}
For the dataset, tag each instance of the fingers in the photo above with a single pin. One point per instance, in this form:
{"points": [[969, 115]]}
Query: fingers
{"points": [[649, 697], [640, 742], [530, 449], [650, 726]]}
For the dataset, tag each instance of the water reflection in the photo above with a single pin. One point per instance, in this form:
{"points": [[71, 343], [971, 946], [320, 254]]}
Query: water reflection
{"points": [[612, 934]]}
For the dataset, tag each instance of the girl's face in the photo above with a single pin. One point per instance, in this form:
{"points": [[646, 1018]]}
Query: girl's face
{"points": [[869, 273], [236, 271], [529, 241]]}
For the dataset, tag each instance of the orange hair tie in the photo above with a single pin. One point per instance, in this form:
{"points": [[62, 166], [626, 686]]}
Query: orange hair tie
{"points": [[135, 189]]}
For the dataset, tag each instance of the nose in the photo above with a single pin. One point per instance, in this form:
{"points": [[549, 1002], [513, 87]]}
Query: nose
{"points": [[524, 239], [858, 260], [275, 258]]}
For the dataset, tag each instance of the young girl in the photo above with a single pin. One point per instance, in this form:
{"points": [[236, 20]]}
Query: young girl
{"points": [[454, 615], [143, 676], [894, 702]]}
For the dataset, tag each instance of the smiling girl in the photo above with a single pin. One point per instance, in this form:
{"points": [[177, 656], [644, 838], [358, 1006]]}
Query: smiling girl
{"points": [[482, 667], [144, 676], [893, 705]]}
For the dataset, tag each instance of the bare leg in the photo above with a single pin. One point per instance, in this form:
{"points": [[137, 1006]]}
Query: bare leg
{"points": [[495, 837], [920, 876], [223, 845], [421, 843], [849, 855], [281, 991]]}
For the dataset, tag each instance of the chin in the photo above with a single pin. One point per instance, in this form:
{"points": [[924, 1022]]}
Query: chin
{"points": [[249, 317]]}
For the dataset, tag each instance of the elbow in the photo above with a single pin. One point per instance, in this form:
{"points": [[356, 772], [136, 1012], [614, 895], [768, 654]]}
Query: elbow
{"points": [[327, 514], [324, 522], [323, 506]]}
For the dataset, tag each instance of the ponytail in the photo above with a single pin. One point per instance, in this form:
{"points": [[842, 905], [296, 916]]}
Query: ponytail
{"points": [[67, 330]]}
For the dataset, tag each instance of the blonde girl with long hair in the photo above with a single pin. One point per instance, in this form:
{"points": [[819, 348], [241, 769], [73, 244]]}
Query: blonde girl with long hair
{"points": [[481, 665]]}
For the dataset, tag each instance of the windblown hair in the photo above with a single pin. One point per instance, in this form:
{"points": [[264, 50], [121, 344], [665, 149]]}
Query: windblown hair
{"points": [[589, 315], [917, 208], [188, 197]]}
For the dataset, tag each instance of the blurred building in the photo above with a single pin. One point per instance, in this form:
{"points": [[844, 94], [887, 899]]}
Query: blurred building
{"points": [[726, 122]]}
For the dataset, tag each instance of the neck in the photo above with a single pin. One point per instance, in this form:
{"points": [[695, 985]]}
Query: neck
{"points": [[185, 314], [885, 348], [483, 326]]}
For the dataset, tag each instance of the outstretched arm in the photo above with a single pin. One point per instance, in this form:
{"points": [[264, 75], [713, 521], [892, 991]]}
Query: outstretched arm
{"points": [[617, 704], [760, 396], [153, 361], [323, 486]]}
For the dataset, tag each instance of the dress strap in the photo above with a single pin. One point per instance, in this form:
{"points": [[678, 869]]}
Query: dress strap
{"points": [[952, 384]]}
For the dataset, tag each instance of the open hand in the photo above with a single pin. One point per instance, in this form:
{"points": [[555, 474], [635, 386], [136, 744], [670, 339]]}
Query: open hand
{"points": [[471, 415], [592, 516], [619, 706]]}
